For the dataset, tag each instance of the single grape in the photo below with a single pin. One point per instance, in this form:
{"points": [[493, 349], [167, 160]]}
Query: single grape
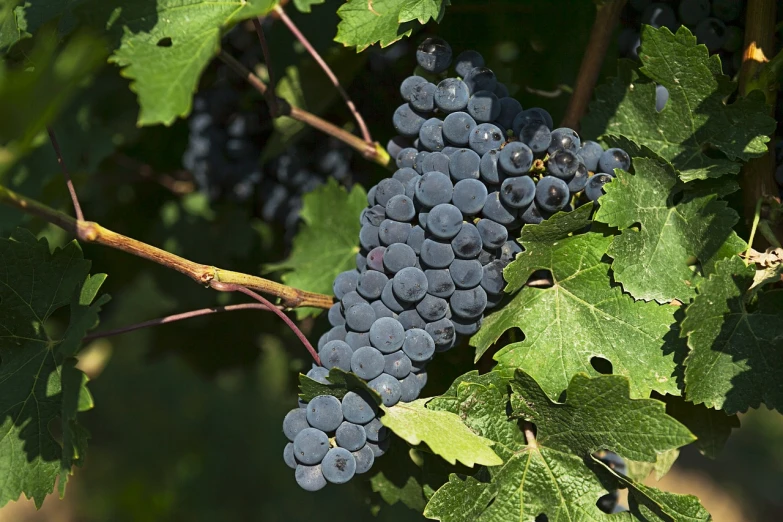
{"points": [[492, 279], [398, 256], [416, 239], [451, 95], [418, 345], [350, 436], [537, 136], [368, 238], [311, 445], [325, 413], [422, 377], [391, 232], [381, 310], [595, 186], [484, 106], [532, 115], [375, 430], [344, 283], [288, 455], [480, 79], [367, 363], [488, 167], [411, 319], [486, 137], [379, 448], [496, 210], [338, 466], [336, 334], [467, 243], [552, 193], [410, 286], [466, 326], [409, 388], [469, 304], [407, 121], [466, 273], [629, 41], [365, 458], [562, 164], [391, 301], [422, 97], [294, 422], [350, 299], [407, 85], [356, 339], [336, 354], [361, 261], [310, 478], [432, 308], [436, 254], [515, 158], [660, 15], [434, 55], [396, 145], [590, 153], [579, 180], [319, 374], [405, 174], [467, 60], [437, 161], [335, 315], [375, 258], [509, 108], [371, 196], [433, 189], [444, 222], [374, 215], [360, 317], [388, 388], [457, 127], [564, 139], [397, 364], [359, 407], [371, 284], [712, 33], [387, 335], [441, 331], [431, 134], [464, 165], [518, 192], [418, 161], [531, 215], [439, 283], [614, 159]]}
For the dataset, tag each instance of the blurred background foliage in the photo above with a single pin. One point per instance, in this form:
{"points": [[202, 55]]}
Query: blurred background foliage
{"points": [[187, 419]]}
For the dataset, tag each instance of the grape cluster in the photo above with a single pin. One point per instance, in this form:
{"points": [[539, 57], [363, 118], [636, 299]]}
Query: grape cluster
{"points": [[435, 238], [718, 24]]}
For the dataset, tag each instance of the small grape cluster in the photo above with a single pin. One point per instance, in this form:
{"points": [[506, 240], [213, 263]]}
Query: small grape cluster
{"points": [[715, 23], [435, 238]]}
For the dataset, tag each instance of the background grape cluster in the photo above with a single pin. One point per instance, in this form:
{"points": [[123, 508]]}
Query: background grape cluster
{"points": [[473, 168]]}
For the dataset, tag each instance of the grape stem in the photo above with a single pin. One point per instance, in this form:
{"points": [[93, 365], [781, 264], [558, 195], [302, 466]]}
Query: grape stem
{"points": [[174, 318], [280, 12], [606, 18], [530, 436], [758, 175], [77, 208], [271, 98], [91, 232], [227, 287], [373, 152]]}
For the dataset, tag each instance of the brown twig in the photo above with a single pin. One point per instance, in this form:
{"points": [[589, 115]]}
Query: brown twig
{"points": [[224, 287], [758, 181], [271, 97], [77, 208], [91, 232], [174, 318], [373, 152], [606, 18], [322, 63]]}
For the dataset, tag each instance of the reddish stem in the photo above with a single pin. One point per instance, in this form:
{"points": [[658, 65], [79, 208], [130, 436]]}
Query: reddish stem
{"points": [[77, 208], [271, 97], [317, 57], [226, 287], [175, 318]]}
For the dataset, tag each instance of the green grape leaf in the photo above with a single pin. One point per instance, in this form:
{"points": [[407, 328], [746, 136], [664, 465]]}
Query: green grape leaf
{"points": [[305, 6], [552, 474], [39, 383], [652, 261], [341, 383], [164, 46], [27, 101], [695, 122], [711, 427], [442, 431], [326, 243], [409, 493], [735, 360], [365, 22], [583, 315]]}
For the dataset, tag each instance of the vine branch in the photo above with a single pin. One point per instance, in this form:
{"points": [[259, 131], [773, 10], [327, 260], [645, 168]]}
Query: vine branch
{"points": [[91, 232], [270, 96], [373, 152], [77, 208], [332, 77], [606, 18]]}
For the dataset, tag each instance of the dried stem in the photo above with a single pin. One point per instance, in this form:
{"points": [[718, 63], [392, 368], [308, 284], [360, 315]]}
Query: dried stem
{"points": [[77, 208], [758, 181], [606, 18], [174, 318], [91, 232], [224, 287], [322, 63], [270, 96], [373, 152], [530, 435]]}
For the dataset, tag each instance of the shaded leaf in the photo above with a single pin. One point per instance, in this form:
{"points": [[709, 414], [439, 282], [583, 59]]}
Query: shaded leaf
{"points": [[653, 260], [583, 315], [711, 427], [735, 361], [341, 383]]}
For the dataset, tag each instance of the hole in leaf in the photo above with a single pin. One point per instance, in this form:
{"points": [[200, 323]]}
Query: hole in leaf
{"points": [[608, 502], [164, 42], [636, 226], [601, 365], [541, 279]]}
